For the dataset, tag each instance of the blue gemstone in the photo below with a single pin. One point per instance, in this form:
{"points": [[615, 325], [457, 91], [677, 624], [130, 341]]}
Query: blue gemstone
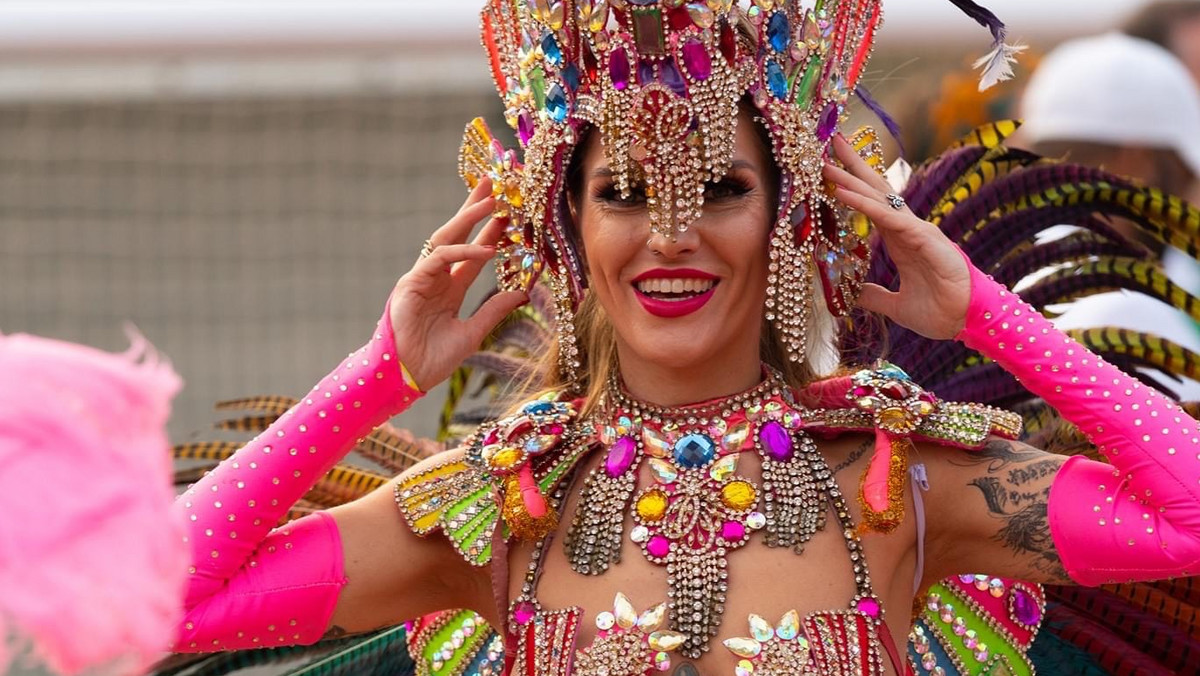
{"points": [[556, 103], [550, 48], [778, 32], [539, 408], [694, 450], [776, 80], [570, 75]]}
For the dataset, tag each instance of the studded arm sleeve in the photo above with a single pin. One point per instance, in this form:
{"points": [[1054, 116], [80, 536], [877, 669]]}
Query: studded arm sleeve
{"points": [[1136, 517], [253, 585]]}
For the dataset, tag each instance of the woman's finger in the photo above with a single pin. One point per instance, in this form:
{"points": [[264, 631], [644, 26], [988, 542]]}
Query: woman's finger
{"points": [[481, 190], [492, 312], [459, 227], [464, 273], [443, 258], [845, 179], [858, 166], [875, 298]]}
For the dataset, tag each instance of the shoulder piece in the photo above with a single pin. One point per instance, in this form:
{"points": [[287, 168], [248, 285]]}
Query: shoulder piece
{"points": [[885, 398], [464, 497]]}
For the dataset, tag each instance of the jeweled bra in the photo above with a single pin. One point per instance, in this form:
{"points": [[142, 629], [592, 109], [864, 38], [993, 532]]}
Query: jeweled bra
{"points": [[696, 511]]}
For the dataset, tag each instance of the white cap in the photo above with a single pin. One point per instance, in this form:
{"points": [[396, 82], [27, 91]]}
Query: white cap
{"points": [[1117, 90]]}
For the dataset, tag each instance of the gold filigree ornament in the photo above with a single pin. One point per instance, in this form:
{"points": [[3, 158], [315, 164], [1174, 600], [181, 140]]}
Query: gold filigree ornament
{"points": [[629, 644]]}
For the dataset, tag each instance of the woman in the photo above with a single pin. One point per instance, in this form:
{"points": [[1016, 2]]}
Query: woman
{"points": [[685, 414]]}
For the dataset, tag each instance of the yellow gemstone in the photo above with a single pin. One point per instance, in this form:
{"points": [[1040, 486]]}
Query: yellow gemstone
{"points": [[666, 641], [736, 437], [738, 495], [506, 458], [652, 619], [652, 505], [894, 418]]}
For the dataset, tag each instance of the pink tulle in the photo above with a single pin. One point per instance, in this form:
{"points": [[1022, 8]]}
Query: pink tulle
{"points": [[92, 563]]}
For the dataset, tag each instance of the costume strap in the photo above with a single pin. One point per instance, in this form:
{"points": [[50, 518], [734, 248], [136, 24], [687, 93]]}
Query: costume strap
{"points": [[1137, 518], [885, 401], [251, 586]]}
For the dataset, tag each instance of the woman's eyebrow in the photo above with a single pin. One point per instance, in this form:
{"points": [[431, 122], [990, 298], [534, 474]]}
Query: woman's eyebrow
{"points": [[602, 172]]}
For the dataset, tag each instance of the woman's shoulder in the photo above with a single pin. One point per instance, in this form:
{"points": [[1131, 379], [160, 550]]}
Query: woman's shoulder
{"points": [[461, 492]]}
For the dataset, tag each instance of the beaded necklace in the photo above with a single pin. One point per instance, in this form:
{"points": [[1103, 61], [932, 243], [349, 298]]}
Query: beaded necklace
{"points": [[698, 508]]}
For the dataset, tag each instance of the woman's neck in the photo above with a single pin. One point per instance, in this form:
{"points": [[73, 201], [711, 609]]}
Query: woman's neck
{"points": [[671, 385]]}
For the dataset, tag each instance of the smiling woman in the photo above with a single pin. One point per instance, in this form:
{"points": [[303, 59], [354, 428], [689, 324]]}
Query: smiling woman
{"points": [[690, 204]]}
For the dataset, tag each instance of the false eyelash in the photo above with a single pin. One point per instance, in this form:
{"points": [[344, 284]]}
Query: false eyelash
{"points": [[734, 187]]}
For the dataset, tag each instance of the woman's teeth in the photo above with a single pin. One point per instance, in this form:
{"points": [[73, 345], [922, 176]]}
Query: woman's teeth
{"points": [[675, 286]]}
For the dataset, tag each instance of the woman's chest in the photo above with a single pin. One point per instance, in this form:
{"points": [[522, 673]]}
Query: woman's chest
{"points": [[598, 598]]}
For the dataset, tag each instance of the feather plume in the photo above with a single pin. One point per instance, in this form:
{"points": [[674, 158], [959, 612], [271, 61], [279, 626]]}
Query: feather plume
{"points": [[888, 121], [997, 64]]}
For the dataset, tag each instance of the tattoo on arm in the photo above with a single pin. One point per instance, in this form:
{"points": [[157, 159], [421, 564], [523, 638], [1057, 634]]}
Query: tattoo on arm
{"points": [[1016, 488], [854, 456]]}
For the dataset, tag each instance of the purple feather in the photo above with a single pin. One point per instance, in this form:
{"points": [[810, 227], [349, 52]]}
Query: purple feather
{"points": [[985, 18], [890, 123]]}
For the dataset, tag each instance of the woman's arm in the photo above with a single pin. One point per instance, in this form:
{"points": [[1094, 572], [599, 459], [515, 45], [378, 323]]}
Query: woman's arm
{"points": [[253, 586], [1135, 517]]}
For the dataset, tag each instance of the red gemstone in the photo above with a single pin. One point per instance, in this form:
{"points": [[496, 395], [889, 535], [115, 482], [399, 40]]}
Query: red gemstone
{"points": [[894, 390]]}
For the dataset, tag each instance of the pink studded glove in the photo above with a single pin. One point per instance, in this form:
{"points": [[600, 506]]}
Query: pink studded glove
{"points": [[251, 586], [1137, 518]]}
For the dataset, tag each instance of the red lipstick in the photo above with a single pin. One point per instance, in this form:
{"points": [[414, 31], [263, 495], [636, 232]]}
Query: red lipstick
{"points": [[671, 309]]}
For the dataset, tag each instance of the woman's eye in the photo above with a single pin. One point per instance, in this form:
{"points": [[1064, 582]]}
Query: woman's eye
{"points": [[611, 195], [724, 190]]}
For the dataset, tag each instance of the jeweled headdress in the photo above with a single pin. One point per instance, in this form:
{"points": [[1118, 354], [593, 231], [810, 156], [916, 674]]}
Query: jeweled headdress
{"points": [[662, 82]]}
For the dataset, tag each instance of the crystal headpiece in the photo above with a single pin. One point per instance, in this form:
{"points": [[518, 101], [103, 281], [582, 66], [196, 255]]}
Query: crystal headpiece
{"points": [[662, 81]]}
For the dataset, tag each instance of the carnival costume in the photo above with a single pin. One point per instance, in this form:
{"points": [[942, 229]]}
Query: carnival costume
{"points": [[663, 82]]}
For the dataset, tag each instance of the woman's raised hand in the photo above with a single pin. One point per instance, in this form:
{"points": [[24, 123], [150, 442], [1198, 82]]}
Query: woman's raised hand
{"points": [[935, 283], [431, 339]]}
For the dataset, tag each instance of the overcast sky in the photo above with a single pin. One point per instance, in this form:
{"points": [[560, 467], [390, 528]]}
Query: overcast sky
{"points": [[47, 26]]}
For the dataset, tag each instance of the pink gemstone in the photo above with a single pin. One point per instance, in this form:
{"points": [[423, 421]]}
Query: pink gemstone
{"points": [[733, 531], [555, 429], [491, 438], [862, 391], [524, 612], [1025, 607], [869, 606], [620, 456], [696, 60], [618, 69], [658, 546]]}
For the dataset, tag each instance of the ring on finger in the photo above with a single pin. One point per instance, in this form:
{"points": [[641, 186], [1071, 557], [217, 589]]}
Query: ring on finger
{"points": [[427, 249], [895, 201]]}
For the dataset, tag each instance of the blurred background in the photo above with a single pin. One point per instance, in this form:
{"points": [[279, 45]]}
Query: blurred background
{"points": [[243, 181]]}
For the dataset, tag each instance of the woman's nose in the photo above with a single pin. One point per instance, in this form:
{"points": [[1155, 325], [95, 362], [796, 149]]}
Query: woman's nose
{"points": [[673, 244]]}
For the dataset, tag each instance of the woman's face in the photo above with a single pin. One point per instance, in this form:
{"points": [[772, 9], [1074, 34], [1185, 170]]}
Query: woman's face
{"points": [[694, 301]]}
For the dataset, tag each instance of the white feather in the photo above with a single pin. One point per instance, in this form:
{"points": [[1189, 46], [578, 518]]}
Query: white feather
{"points": [[997, 64]]}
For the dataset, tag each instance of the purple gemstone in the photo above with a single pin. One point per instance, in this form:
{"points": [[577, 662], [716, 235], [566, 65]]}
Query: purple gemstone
{"points": [[658, 546], [732, 531], [620, 456], [525, 127], [618, 69], [776, 440], [1025, 607], [869, 606], [669, 75], [828, 123], [966, 579], [645, 72], [524, 612], [696, 60]]}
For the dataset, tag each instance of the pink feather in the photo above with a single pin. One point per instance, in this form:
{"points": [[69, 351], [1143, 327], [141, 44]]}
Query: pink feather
{"points": [[92, 564]]}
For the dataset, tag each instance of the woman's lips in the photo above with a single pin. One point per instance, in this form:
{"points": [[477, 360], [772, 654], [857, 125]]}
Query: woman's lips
{"points": [[674, 307]]}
